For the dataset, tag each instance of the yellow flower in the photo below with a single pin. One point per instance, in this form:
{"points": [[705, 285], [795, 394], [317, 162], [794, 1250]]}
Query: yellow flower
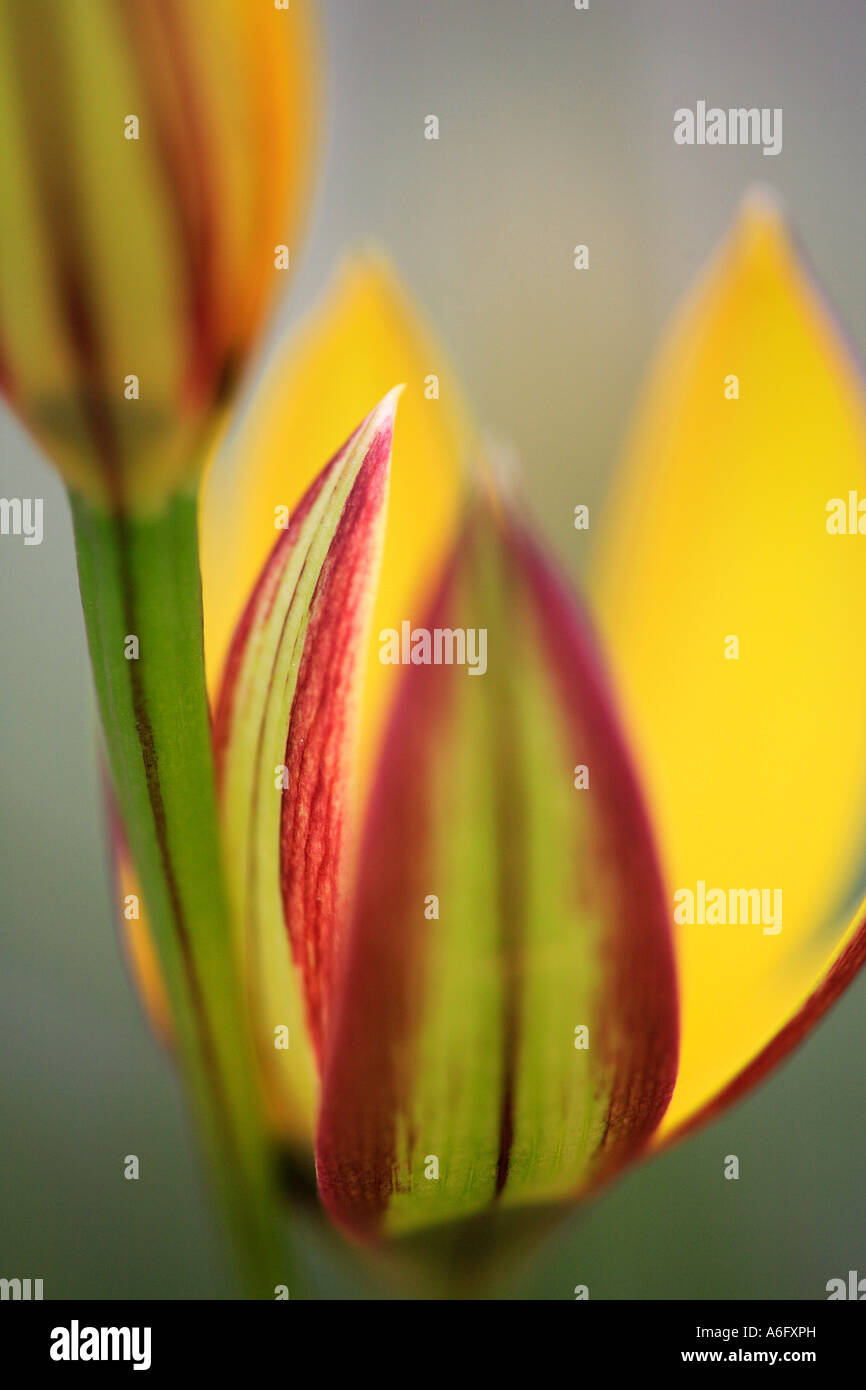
{"points": [[476, 980]]}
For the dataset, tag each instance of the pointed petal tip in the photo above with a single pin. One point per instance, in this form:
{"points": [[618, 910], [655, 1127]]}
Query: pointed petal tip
{"points": [[499, 475], [763, 205], [389, 402], [761, 226], [383, 416]]}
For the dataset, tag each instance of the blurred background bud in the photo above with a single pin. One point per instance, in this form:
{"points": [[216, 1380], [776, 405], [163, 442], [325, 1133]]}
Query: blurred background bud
{"points": [[154, 181]]}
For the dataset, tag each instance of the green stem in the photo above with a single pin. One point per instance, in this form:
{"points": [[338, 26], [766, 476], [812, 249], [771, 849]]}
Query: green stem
{"points": [[140, 579]]}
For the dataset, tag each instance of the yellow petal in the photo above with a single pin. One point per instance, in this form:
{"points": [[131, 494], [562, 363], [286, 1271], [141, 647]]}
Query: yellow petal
{"points": [[755, 766], [362, 339], [135, 933]]}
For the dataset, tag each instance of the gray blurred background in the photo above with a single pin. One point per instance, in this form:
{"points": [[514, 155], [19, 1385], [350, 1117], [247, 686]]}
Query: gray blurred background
{"points": [[556, 128]]}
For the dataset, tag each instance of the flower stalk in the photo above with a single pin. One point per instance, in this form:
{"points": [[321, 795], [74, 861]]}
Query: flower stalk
{"points": [[141, 595]]}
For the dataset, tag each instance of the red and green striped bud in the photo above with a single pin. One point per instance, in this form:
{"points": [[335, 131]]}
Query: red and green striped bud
{"points": [[155, 164]]}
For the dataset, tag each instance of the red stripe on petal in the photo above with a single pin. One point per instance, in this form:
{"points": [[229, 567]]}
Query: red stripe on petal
{"points": [[322, 738]]}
